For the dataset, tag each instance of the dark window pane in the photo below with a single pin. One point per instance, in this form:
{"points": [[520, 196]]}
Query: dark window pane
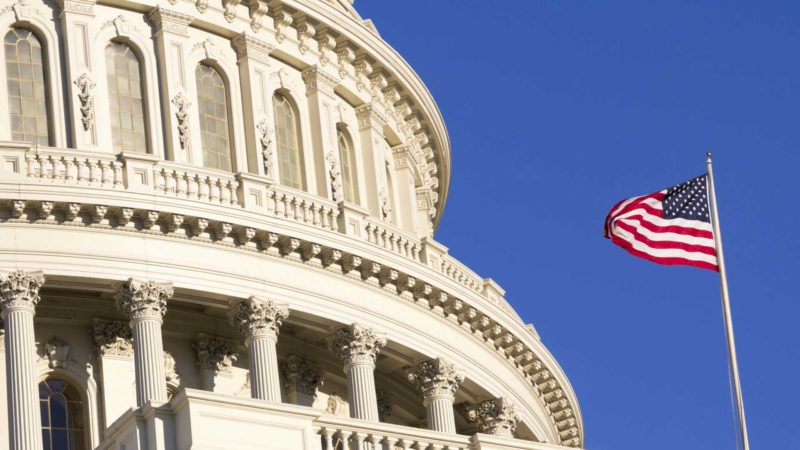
{"points": [[58, 411], [46, 439], [60, 440], [45, 412]]}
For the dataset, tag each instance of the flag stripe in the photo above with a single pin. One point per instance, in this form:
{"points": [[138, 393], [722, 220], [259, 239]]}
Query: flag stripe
{"points": [[667, 261], [670, 241]]}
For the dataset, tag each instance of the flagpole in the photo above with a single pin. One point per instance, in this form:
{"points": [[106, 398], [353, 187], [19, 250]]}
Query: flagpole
{"points": [[726, 309]]}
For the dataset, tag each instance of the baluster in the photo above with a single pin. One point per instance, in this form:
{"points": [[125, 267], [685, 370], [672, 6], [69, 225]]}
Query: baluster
{"points": [[117, 167], [83, 171], [32, 164], [271, 204], [59, 169], [182, 185], [289, 207], [72, 170], [326, 436], [46, 168], [172, 183], [280, 205], [224, 192], [105, 172], [234, 189], [356, 441], [213, 192], [345, 438], [317, 217], [298, 210], [158, 180], [94, 172], [202, 184], [307, 216]]}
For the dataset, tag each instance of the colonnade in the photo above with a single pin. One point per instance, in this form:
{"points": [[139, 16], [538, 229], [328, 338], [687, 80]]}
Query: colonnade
{"points": [[257, 319]]}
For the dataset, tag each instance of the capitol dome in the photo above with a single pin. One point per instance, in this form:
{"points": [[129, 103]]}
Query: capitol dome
{"points": [[217, 230]]}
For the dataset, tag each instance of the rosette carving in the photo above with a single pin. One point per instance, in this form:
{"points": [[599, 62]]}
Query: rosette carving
{"points": [[258, 317], [356, 344], [496, 416], [20, 289], [436, 378], [144, 299]]}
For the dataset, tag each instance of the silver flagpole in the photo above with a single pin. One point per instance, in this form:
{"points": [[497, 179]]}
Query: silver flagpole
{"points": [[726, 308]]}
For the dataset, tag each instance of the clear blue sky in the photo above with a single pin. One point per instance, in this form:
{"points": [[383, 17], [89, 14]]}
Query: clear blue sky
{"points": [[558, 109]]}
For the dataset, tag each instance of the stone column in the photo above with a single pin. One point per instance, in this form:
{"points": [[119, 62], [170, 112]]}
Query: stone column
{"points": [[496, 416], [358, 346], [19, 294], [438, 382], [145, 303], [259, 321]]}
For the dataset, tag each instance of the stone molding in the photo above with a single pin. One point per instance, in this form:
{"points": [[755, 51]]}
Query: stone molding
{"points": [[537, 372], [258, 317], [111, 338], [496, 416], [20, 290], [356, 344], [142, 300], [436, 378], [302, 376], [214, 353]]}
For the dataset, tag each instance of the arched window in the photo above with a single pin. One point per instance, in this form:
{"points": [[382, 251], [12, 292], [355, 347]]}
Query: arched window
{"points": [[62, 415], [287, 138], [27, 98], [125, 99], [348, 162], [212, 102]]}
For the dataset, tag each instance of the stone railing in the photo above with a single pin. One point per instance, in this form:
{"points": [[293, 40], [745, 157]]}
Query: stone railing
{"points": [[392, 239], [338, 433], [73, 167], [193, 183], [453, 269], [301, 207]]}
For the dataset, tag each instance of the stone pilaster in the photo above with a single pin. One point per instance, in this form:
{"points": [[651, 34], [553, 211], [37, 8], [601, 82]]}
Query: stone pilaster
{"points": [[322, 103], [358, 346], [145, 303], [259, 320], [19, 294], [214, 355], [496, 416], [302, 380], [438, 382], [371, 120]]}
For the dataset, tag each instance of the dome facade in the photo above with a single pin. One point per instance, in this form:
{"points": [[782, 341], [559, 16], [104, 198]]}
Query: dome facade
{"points": [[217, 232]]}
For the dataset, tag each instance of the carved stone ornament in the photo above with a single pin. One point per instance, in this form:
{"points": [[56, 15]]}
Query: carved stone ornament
{"points": [[57, 352], [20, 290], [386, 206], [257, 9], [182, 105], [201, 5], [335, 172], [302, 376], [258, 317], [496, 416], [356, 344], [333, 404], [144, 299], [214, 353], [230, 9], [85, 86], [265, 139], [112, 338], [436, 378], [170, 371]]}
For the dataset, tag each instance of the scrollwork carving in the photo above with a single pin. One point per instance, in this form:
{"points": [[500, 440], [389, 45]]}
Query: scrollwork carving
{"points": [[86, 85]]}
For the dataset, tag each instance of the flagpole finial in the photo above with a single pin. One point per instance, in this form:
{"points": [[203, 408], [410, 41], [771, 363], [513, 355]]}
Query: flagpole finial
{"points": [[708, 157]]}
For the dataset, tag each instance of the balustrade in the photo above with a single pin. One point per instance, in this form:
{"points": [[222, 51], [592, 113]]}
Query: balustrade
{"points": [[392, 239], [194, 183], [303, 208], [70, 166]]}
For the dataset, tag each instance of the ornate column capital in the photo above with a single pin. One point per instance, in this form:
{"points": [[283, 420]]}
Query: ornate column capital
{"points": [[258, 317], [112, 337], [316, 79], [436, 378], [247, 45], [496, 416], [213, 353], [140, 299], [171, 21], [302, 376], [20, 290], [369, 116], [356, 344]]}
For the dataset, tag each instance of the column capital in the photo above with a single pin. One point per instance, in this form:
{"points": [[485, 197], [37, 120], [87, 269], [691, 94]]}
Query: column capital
{"points": [[258, 317], [370, 115], [302, 376], [112, 337], [356, 344], [85, 7], [436, 378], [247, 45], [171, 21], [496, 416], [20, 290], [140, 299], [316, 79], [214, 353]]}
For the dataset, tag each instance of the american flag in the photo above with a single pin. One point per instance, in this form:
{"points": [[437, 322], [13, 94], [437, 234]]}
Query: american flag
{"points": [[671, 226]]}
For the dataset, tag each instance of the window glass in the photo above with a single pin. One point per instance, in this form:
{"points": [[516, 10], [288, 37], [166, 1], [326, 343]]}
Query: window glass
{"points": [[62, 410], [27, 101], [348, 163], [213, 107], [125, 99], [290, 159]]}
